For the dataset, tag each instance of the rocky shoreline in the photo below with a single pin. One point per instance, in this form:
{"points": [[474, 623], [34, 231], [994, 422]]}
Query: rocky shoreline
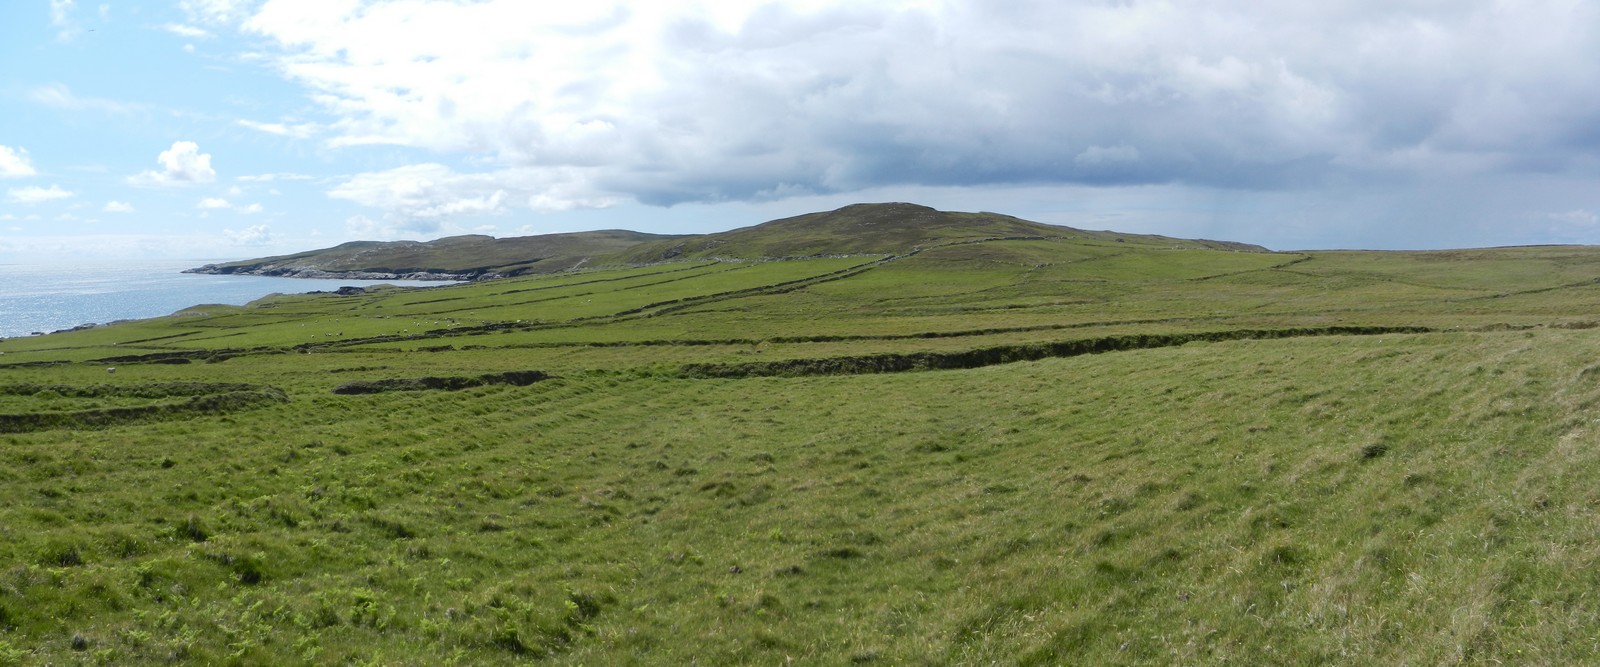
{"points": [[319, 274]]}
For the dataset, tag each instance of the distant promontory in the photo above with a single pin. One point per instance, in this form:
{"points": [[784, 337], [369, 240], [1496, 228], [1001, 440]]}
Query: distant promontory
{"points": [[858, 229]]}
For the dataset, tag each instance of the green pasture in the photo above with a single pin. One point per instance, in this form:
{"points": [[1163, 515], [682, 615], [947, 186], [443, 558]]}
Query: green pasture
{"points": [[1427, 497]]}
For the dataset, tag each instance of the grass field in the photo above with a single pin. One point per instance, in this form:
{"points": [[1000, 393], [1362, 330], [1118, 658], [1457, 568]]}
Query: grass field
{"points": [[1151, 455]]}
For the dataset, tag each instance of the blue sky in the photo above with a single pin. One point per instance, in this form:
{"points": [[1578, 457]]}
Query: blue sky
{"points": [[240, 128]]}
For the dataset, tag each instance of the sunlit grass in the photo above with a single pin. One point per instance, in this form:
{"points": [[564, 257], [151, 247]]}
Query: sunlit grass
{"points": [[1421, 498]]}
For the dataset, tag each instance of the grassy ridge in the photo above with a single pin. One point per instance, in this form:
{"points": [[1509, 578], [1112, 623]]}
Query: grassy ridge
{"points": [[884, 229], [640, 465], [467, 257], [861, 229]]}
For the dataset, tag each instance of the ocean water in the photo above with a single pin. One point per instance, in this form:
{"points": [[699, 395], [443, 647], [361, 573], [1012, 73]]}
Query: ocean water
{"points": [[39, 298]]}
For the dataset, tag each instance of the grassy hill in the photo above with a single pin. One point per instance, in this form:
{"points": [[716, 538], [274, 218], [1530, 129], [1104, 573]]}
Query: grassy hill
{"points": [[861, 229], [974, 445], [466, 257], [882, 229]]}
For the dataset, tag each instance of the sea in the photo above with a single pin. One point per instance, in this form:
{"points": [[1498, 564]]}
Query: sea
{"points": [[46, 298]]}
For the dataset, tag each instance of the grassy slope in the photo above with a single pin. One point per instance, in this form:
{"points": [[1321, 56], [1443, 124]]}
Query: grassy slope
{"points": [[1417, 498], [882, 229], [547, 253], [861, 229]]}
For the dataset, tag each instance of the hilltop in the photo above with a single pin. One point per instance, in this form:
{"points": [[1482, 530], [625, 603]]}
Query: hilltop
{"points": [[859, 229], [883, 229]]}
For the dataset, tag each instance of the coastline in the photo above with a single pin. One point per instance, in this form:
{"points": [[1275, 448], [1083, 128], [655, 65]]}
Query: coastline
{"points": [[300, 273], [43, 299]]}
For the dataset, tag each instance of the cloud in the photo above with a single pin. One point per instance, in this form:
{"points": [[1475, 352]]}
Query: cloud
{"points": [[61, 17], [110, 246], [298, 131], [118, 207], [61, 97], [34, 194], [1391, 115], [667, 103], [215, 11], [61, 12], [218, 204], [425, 191], [184, 30], [393, 228], [1577, 217], [365, 228], [433, 191], [183, 164], [252, 235], [267, 178], [14, 163], [1102, 155]]}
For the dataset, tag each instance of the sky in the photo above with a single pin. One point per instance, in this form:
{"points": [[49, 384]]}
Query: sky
{"points": [[244, 128]]}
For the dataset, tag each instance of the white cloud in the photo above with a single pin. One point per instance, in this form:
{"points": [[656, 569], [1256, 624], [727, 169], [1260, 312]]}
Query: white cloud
{"points": [[434, 191], [184, 30], [266, 178], [61, 12], [61, 97], [118, 207], [361, 227], [740, 99], [298, 131], [14, 162], [182, 164], [61, 17], [1578, 217], [252, 235], [364, 228], [34, 194], [218, 204], [215, 11]]}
